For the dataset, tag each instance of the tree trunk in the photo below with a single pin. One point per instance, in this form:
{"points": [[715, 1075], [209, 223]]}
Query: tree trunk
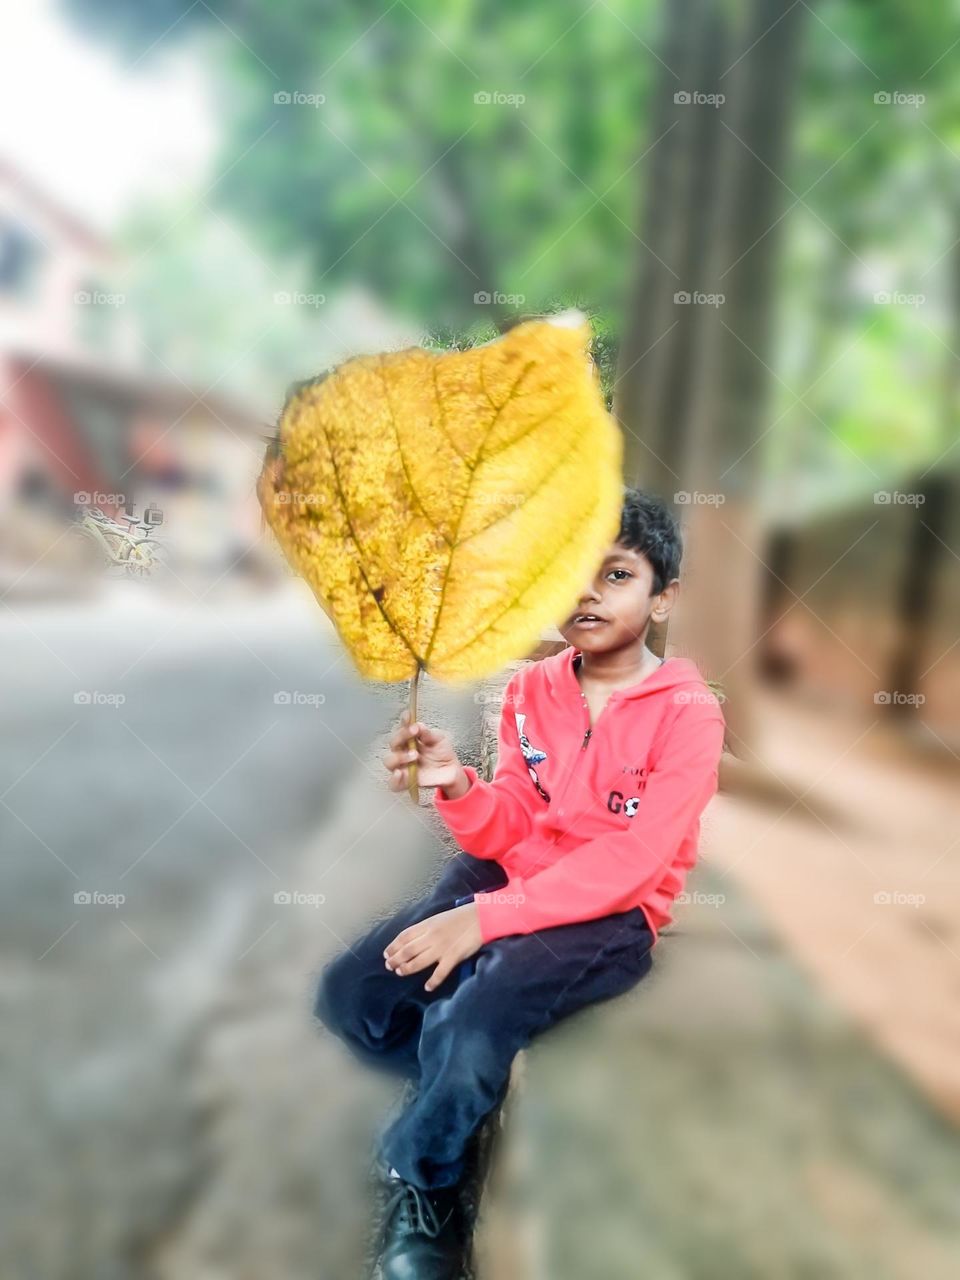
{"points": [[696, 412], [661, 335], [730, 413]]}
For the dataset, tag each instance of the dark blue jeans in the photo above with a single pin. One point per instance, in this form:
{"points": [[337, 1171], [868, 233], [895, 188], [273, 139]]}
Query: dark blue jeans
{"points": [[457, 1043]]}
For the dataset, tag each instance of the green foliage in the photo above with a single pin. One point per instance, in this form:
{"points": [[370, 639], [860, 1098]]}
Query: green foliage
{"points": [[874, 193], [399, 179], [401, 182]]}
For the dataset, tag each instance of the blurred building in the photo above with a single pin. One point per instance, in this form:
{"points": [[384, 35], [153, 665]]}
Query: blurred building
{"points": [[83, 416]]}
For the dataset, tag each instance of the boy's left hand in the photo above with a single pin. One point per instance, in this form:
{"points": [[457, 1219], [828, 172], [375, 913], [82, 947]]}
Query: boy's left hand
{"points": [[444, 940]]}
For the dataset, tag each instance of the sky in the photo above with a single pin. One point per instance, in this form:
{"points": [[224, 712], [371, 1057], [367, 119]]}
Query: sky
{"points": [[94, 135]]}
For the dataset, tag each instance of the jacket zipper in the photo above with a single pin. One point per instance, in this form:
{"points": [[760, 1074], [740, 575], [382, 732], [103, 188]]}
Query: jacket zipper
{"points": [[588, 734]]}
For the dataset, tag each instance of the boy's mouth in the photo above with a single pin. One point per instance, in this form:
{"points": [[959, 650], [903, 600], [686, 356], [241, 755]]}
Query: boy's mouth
{"points": [[587, 620]]}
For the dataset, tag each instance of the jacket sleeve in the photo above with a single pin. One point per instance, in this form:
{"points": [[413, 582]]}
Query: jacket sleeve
{"points": [[613, 872], [493, 816]]}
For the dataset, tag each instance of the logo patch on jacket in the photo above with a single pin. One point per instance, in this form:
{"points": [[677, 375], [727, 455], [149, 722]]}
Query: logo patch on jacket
{"points": [[617, 803], [531, 754]]}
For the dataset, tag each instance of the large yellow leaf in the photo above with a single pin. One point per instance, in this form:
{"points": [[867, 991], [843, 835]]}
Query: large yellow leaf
{"points": [[445, 508]]}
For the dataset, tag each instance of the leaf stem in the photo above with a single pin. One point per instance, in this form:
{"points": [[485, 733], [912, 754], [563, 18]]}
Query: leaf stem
{"points": [[412, 787]]}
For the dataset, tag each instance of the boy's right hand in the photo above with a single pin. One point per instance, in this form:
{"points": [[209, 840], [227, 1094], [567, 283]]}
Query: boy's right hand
{"points": [[437, 763]]}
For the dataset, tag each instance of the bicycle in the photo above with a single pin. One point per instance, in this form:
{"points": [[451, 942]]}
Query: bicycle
{"points": [[136, 557]]}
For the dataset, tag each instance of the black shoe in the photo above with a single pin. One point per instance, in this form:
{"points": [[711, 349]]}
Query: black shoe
{"points": [[422, 1237]]}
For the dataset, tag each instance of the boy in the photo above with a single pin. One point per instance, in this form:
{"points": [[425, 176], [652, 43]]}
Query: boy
{"points": [[571, 858]]}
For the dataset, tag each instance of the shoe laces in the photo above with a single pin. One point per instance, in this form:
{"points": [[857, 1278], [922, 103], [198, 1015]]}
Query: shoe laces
{"points": [[416, 1210]]}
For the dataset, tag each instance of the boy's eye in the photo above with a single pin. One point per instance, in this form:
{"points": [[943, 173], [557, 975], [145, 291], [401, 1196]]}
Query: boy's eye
{"points": [[626, 573]]}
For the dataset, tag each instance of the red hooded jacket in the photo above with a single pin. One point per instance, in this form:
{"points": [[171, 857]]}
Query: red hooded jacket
{"points": [[591, 821]]}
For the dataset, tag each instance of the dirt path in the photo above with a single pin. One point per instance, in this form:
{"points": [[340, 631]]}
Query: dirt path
{"points": [[861, 879]]}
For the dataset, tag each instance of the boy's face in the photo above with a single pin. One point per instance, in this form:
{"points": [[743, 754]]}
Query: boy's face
{"points": [[620, 598]]}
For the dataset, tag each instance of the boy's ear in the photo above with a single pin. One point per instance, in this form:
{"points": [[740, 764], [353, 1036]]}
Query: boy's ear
{"points": [[665, 601]]}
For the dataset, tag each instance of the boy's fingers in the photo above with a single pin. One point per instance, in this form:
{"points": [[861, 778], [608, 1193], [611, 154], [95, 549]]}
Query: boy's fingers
{"points": [[440, 973], [412, 954], [413, 934], [407, 961], [411, 949], [403, 733], [422, 961], [397, 759]]}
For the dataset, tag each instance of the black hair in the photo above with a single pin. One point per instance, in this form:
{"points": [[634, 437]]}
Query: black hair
{"points": [[647, 525]]}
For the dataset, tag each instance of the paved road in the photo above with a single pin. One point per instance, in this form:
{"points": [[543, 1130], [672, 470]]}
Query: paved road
{"points": [[182, 756]]}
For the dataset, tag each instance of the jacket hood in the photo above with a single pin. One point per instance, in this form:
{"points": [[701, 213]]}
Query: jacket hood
{"points": [[673, 673]]}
